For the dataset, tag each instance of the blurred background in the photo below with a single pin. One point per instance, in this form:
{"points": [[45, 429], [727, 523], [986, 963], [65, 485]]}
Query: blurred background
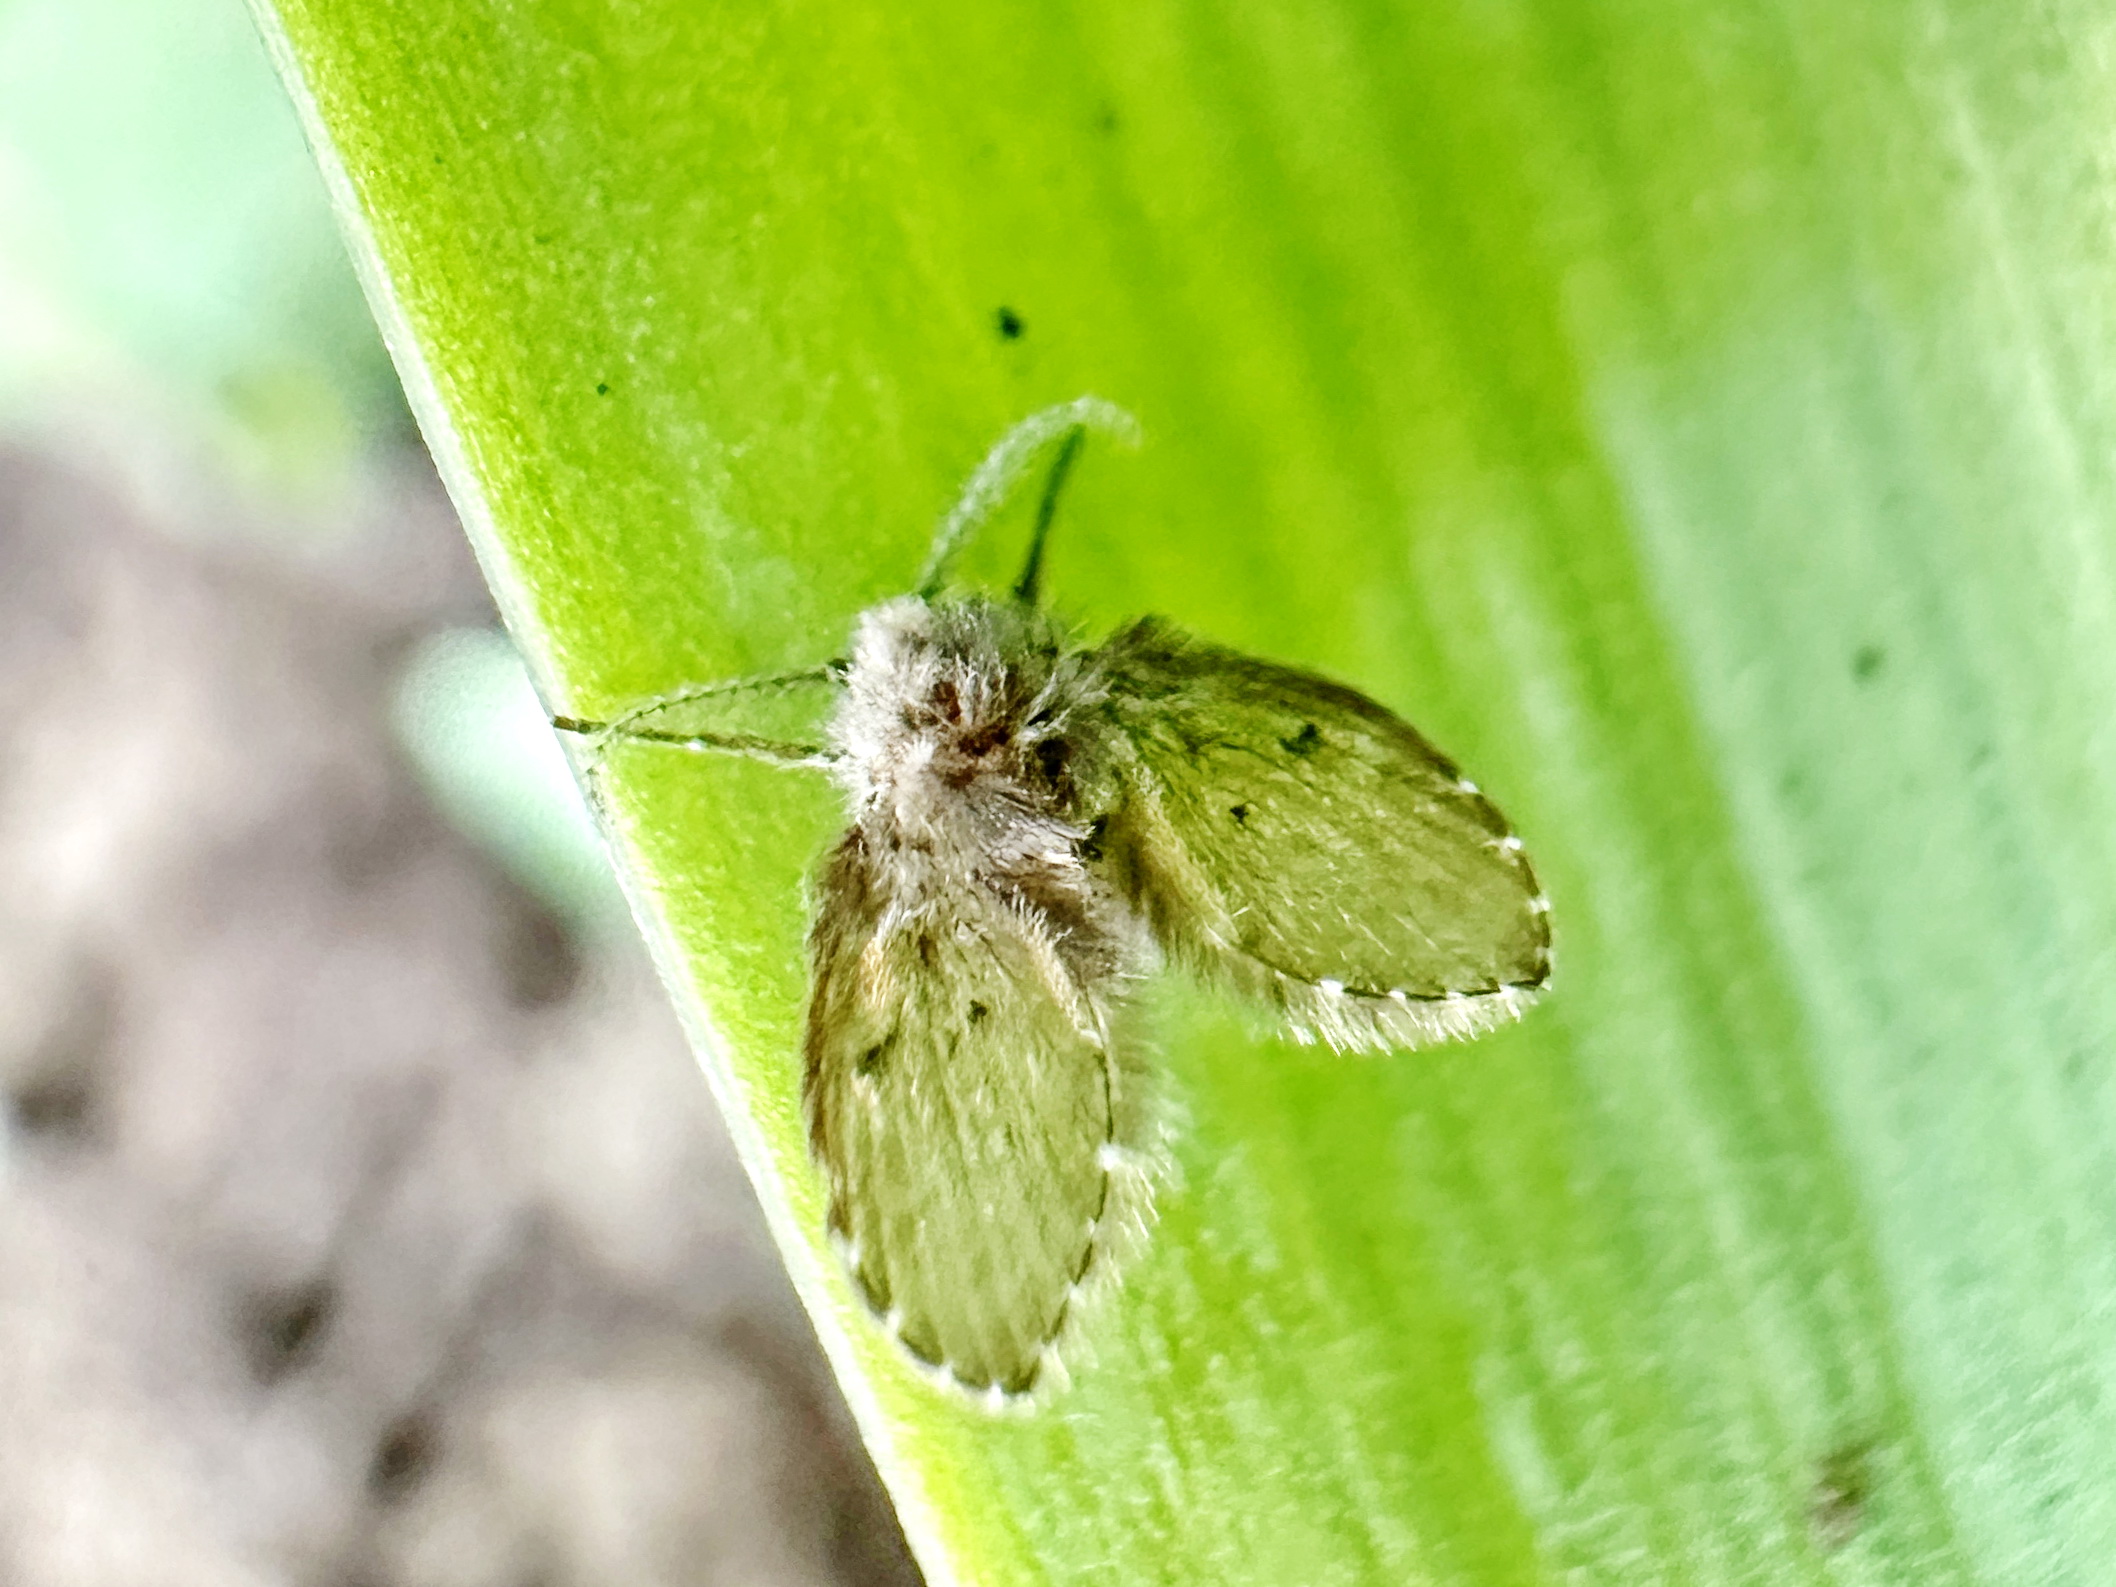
{"points": [[363, 1219]]}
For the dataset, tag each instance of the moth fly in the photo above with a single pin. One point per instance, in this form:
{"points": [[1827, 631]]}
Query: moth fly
{"points": [[1034, 827]]}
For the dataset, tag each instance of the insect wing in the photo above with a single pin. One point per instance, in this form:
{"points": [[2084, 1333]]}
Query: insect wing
{"points": [[960, 1094], [1291, 837]]}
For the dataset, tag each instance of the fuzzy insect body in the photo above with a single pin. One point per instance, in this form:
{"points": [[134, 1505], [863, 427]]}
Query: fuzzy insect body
{"points": [[968, 968], [1034, 827]]}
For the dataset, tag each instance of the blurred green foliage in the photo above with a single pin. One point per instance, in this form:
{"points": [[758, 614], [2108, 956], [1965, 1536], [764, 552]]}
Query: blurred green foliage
{"points": [[165, 242], [171, 274]]}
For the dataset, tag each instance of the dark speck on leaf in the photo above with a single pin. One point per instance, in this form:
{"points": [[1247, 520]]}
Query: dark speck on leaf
{"points": [[1240, 814], [602, 388], [1867, 662], [1843, 1487], [1010, 324]]}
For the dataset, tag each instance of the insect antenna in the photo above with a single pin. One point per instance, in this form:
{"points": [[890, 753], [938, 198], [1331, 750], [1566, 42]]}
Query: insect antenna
{"points": [[750, 746], [634, 724], [1030, 583], [995, 478]]}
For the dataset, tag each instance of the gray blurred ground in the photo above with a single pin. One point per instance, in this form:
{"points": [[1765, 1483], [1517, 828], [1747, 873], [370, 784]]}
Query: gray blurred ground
{"points": [[360, 1224]]}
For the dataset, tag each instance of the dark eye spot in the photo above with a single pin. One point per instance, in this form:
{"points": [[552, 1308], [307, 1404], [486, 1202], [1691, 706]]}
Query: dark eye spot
{"points": [[1306, 742], [1091, 845], [982, 741], [1052, 754], [1240, 814], [978, 1012]]}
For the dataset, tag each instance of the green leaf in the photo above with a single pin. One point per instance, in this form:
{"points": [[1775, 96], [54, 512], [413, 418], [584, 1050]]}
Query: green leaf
{"points": [[1698, 420]]}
